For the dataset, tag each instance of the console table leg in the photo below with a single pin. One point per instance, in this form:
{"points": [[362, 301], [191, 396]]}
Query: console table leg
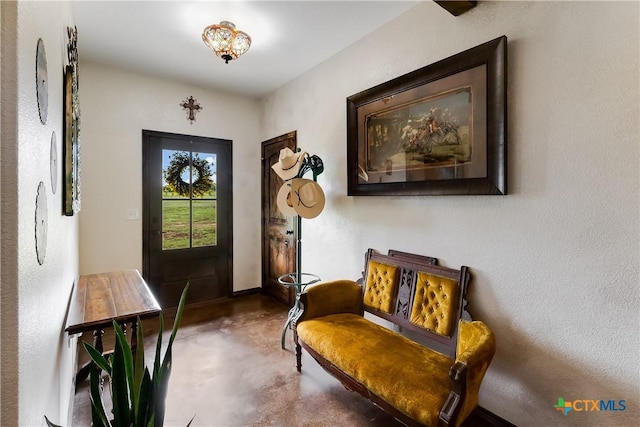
{"points": [[134, 339], [97, 340], [83, 372]]}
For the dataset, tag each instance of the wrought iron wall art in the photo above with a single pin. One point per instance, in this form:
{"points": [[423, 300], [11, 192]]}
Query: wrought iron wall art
{"points": [[191, 106]]}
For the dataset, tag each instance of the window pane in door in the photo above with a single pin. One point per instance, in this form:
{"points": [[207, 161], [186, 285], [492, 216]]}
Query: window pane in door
{"points": [[204, 205], [204, 175], [176, 174], [204, 230], [175, 224]]}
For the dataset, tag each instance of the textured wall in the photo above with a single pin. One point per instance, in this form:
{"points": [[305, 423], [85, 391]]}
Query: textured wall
{"points": [[555, 263], [116, 106], [8, 215], [45, 355]]}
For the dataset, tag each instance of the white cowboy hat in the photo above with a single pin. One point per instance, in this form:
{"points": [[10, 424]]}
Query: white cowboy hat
{"points": [[307, 197], [283, 200], [288, 163]]}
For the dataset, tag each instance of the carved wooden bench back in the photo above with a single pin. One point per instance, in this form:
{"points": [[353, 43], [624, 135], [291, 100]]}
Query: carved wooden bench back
{"points": [[416, 294]]}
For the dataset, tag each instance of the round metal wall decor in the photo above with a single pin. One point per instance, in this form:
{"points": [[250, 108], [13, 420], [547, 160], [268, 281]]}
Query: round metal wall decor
{"points": [[42, 86], [41, 223], [53, 163]]}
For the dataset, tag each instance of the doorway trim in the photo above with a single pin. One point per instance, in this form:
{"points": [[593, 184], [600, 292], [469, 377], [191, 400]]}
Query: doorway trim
{"points": [[289, 139]]}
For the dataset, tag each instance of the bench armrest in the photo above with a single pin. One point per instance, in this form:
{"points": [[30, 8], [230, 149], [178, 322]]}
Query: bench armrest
{"points": [[451, 408], [339, 296], [476, 347]]}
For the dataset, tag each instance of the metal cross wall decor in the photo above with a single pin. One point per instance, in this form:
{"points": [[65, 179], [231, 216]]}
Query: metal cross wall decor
{"points": [[192, 106]]}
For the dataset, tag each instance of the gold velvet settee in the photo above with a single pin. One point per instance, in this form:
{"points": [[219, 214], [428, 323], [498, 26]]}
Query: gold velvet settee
{"points": [[422, 360]]}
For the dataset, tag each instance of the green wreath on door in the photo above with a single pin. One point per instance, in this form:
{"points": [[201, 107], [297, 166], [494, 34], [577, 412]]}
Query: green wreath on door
{"points": [[201, 175]]}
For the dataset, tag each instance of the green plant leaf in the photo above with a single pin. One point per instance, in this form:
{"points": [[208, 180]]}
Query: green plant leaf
{"points": [[156, 368], [119, 384], [165, 371], [97, 419], [98, 358], [156, 362], [145, 403], [161, 388], [98, 413], [127, 356], [49, 423], [178, 318], [139, 370]]}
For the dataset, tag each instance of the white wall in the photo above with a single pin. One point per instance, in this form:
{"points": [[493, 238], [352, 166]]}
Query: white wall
{"points": [[8, 215], [555, 263], [116, 106], [37, 355]]}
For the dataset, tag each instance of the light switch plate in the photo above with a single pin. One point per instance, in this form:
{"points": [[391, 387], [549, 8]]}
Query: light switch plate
{"points": [[133, 214]]}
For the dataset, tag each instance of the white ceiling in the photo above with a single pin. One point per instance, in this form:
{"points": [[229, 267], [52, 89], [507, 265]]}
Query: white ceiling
{"points": [[164, 38]]}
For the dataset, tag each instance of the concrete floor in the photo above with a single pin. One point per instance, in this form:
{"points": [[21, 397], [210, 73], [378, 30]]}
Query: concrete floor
{"points": [[229, 370]]}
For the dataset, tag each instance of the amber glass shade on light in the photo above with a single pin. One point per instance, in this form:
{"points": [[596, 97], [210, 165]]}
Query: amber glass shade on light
{"points": [[225, 41]]}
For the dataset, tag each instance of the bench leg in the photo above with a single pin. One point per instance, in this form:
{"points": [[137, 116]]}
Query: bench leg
{"points": [[298, 353]]}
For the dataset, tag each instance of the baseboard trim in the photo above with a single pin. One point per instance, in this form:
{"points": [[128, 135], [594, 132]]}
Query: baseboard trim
{"points": [[73, 343], [170, 311], [489, 418], [246, 292]]}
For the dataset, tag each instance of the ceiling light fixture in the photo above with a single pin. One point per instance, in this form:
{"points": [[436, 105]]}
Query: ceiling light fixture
{"points": [[225, 41]]}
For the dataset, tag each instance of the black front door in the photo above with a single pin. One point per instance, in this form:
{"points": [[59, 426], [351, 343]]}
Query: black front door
{"points": [[187, 216]]}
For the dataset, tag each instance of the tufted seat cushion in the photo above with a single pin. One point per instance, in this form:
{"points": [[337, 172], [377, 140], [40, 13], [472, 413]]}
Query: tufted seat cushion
{"points": [[412, 378]]}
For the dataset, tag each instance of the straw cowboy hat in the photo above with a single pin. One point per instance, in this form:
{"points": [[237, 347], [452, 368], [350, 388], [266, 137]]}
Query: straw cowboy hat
{"points": [[307, 197], [288, 163], [284, 200]]}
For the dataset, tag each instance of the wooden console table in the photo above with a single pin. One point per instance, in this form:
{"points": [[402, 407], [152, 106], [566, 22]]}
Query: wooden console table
{"points": [[98, 299]]}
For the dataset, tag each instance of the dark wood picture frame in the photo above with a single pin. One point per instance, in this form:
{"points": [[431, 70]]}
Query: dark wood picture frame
{"points": [[71, 145], [69, 181], [439, 130], [71, 128]]}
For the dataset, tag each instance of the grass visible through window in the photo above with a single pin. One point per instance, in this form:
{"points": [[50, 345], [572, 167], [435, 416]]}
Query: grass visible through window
{"points": [[175, 223]]}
